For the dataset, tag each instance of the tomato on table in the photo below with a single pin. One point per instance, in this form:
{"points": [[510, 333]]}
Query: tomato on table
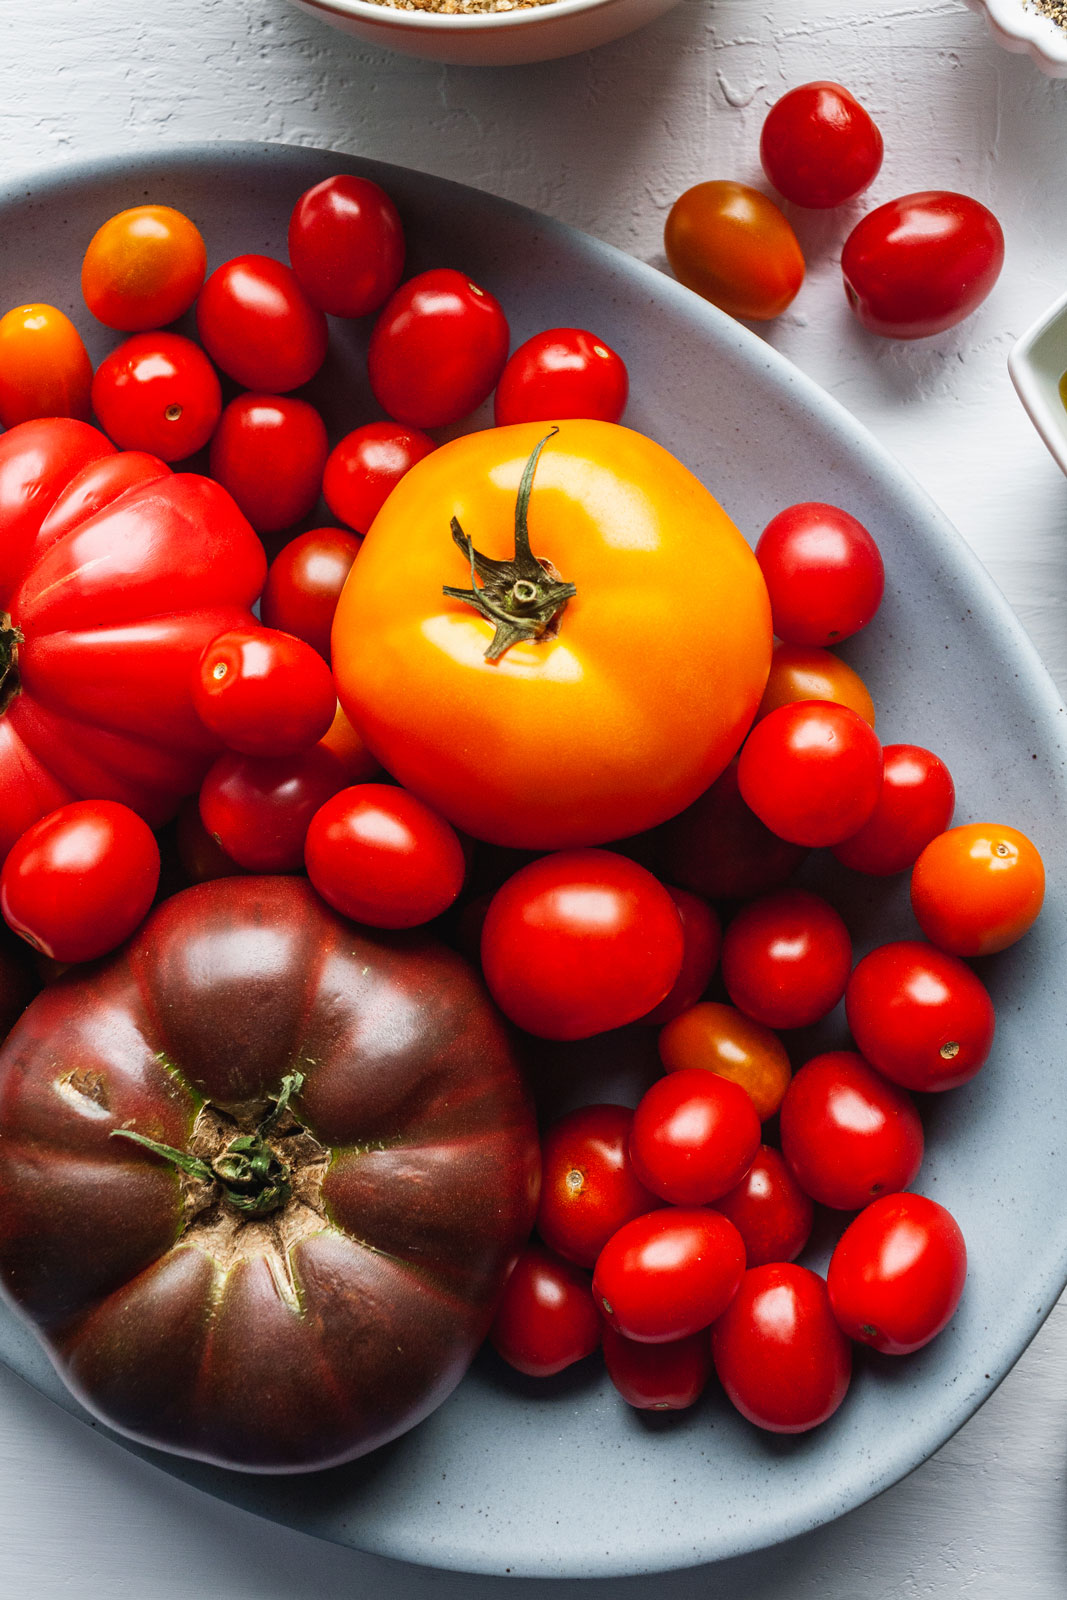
{"points": [[45, 369], [811, 771], [364, 468], [561, 373], [732, 245], [819, 147], [304, 583], [723, 1040], [823, 571], [258, 325], [346, 245], [437, 349], [546, 1319], [977, 889], [898, 1273], [77, 883], [786, 958], [269, 451], [657, 1377], [143, 268], [848, 1134], [769, 1209], [914, 805], [920, 1016], [588, 1184], [668, 1274], [702, 932], [158, 392], [258, 808], [719, 848], [807, 672], [264, 693], [694, 1136]]}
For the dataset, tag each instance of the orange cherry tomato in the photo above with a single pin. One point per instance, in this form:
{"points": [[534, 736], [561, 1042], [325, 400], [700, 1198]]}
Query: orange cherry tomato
{"points": [[734, 246], [726, 1042], [806, 672], [45, 369], [977, 889], [143, 268], [621, 701]]}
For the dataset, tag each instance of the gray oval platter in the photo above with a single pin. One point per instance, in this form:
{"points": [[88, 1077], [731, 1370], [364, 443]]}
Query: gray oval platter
{"points": [[560, 1478]]}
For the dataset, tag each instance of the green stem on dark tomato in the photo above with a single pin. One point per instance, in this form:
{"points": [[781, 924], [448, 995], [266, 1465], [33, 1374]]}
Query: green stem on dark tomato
{"points": [[10, 639]]}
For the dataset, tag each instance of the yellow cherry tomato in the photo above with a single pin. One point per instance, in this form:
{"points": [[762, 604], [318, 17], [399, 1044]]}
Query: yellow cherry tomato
{"points": [[45, 369]]}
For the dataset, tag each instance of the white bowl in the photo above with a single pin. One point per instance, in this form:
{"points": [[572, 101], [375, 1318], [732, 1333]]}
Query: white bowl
{"points": [[1037, 363], [1024, 31], [490, 38]]}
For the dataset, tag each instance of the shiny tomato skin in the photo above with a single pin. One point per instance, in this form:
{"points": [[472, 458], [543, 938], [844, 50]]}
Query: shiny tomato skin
{"points": [[914, 805], [258, 325], [159, 393], [720, 1039], [694, 1136], [346, 245], [920, 264], [898, 1273], [848, 1134], [807, 672], [668, 1274], [823, 571], [382, 857], [812, 772], [579, 942], [769, 1209], [546, 1319], [304, 583], [702, 932], [143, 268], [45, 369], [437, 349], [819, 147], [920, 1016], [733, 246], [269, 452], [563, 372], [719, 848], [657, 1377], [264, 693], [786, 958], [364, 468], [977, 889], [80, 881], [779, 1354], [592, 734], [588, 1184], [258, 808]]}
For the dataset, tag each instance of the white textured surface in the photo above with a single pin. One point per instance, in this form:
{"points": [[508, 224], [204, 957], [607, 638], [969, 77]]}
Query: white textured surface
{"points": [[606, 142]]}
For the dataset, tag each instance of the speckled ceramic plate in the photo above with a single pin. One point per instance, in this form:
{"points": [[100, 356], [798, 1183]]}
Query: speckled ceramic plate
{"points": [[561, 1478]]}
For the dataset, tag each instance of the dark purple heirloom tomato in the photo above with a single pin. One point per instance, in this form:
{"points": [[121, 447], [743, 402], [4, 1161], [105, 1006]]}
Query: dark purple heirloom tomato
{"points": [[262, 1174]]}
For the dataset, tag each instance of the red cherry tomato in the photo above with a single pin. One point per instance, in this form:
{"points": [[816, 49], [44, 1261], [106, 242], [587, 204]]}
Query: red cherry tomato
{"points": [[717, 1038], [920, 264], [588, 1184], [978, 889], [257, 808], [546, 1319], [565, 372], [77, 883], [45, 369], [897, 1274], [258, 325], [304, 582], [779, 1354], [823, 572], [915, 803], [920, 1016], [666, 1275], [269, 452], [381, 856], [143, 268], [847, 1133], [702, 932], [819, 147], [437, 349], [159, 393], [694, 1136], [263, 692], [201, 857], [811, 771], [364, 469], [346, 245], [580, 941], [657, 1377], [733, 245], [719, 848], [786, 959], [769, 1209]]}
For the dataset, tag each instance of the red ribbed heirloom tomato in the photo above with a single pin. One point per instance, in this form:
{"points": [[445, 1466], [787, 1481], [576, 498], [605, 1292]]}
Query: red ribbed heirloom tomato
{"points": [[577, 659], [114, 575], [341, 1165]]}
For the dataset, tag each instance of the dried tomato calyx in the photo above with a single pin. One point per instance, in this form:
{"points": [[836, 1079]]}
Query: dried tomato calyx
{"points": [[525, 597], [253, 1177], [10, 639]]}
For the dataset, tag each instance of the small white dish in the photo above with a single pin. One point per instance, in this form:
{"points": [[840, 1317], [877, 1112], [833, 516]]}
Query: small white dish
{"points": [[1037, 365], [490, 38], [1024, 31]]}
